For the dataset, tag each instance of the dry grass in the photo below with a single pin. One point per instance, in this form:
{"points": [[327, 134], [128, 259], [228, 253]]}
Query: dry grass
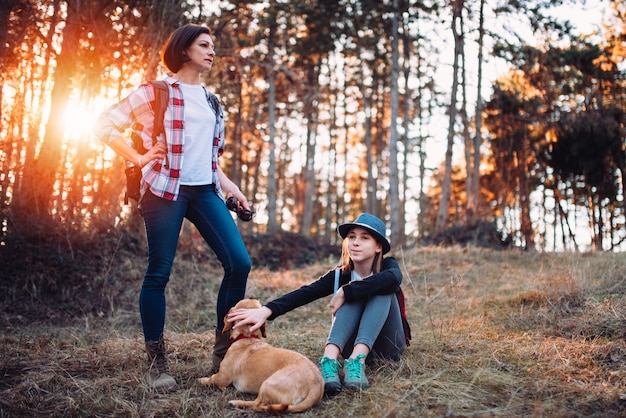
{"points": [[495, 334]]}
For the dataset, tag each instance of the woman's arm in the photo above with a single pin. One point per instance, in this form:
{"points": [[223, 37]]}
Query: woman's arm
{"points": [[230, 189], [130, 112], [129, 153]]}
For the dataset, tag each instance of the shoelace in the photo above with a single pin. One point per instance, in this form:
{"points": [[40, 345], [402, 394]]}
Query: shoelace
{"points": [[162, 364], [329, 368], [354, 369], [161, 359]]}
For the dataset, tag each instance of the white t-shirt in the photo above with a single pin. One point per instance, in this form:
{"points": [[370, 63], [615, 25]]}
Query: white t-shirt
{"points": [[354, 276], [199, 127]]}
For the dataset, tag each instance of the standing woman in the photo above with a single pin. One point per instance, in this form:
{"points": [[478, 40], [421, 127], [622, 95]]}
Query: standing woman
{"points": [[367, 320], [181, 178]]}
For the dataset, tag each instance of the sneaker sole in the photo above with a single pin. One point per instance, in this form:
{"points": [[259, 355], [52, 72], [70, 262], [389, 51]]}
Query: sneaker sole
{"points": [[355, 386], [332, 388]]}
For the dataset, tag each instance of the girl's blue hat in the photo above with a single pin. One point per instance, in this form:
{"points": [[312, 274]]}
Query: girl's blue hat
{"points": [[373, 225]]}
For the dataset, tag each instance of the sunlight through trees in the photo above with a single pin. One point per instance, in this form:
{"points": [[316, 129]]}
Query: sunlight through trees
{"points": [[332, 108]]}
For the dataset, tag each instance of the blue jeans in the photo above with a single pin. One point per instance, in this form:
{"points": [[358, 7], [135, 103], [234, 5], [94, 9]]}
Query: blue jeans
{"points": [[163, 220], [375, 322]]}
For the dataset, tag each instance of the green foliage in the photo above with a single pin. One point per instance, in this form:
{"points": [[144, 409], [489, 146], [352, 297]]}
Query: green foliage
{"points": [[589, 145], [560, 109]]}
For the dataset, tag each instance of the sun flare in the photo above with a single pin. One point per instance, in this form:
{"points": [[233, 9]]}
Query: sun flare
{"points": [[78, 121]]}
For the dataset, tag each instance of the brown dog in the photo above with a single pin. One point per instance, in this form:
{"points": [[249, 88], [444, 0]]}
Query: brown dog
{"points": [[284, 380]]}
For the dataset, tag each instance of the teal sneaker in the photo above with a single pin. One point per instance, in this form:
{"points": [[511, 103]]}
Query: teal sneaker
{"points": [[355, 378], [330, 372]]}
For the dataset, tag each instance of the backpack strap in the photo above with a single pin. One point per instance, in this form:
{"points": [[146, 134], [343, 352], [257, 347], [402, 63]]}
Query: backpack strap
{"points": [[215, 103], [405, 322], [337, 271], [161, 100]]}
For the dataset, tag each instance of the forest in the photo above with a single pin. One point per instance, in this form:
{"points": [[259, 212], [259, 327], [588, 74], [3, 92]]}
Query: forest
{"points": [[469, 126], [334, 108]]}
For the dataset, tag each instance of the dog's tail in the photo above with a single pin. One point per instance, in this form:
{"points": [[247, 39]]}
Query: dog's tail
{"points": [[308, 402], [276, 408], [258, 406]]}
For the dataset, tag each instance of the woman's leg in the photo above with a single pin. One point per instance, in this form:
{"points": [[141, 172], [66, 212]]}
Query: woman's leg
{"points": [[373, 318], [390, 343], [216, 225], [375, 323], [359, 323], [163, 220], [344, 327], [344, 323]]}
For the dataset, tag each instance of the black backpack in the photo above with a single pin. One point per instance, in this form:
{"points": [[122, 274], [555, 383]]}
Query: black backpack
{"points": [[133, 173]]}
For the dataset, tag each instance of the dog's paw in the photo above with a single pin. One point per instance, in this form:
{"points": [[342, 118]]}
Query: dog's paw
{"points": [[213, 381], [235, 403]]}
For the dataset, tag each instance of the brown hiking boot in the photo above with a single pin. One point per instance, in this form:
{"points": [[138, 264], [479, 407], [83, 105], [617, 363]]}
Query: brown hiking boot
{"points": [[222, 343], [159, 371]]}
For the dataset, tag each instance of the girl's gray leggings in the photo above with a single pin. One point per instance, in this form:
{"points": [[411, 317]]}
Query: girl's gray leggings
{"points": [[375, 322]]}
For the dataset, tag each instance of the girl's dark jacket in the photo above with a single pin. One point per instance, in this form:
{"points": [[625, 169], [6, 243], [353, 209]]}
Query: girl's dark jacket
{"points": [[386, 282]]}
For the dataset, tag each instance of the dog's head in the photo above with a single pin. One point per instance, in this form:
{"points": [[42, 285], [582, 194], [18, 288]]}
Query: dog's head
{"points": [[245, 330]]}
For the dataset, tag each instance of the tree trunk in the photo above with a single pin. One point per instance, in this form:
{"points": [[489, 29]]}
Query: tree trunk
{"points": [[467, 138], [309, 166], [397, 226], [473, 194], [442, 215], [370, 202], [332, 195], [272, 181], [406, 120], [526, 226]]}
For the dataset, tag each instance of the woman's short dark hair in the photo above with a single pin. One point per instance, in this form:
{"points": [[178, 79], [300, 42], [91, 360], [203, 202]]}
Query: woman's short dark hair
{"points": [[173, 53]]}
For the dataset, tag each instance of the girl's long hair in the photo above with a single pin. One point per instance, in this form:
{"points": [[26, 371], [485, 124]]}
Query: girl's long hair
{"points": [[347, 265]]}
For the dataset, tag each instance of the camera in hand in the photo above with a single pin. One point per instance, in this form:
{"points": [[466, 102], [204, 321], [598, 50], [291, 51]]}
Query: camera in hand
{"points": [[244, 214]]}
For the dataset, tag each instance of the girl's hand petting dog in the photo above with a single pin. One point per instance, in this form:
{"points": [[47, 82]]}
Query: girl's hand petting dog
{"points": [[255, 317]]}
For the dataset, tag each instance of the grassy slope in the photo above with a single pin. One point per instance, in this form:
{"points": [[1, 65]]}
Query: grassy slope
{"points": [[494, 334]]}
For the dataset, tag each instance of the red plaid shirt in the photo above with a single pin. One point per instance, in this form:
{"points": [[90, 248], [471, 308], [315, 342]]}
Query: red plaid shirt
{"points": [[136, 112]]}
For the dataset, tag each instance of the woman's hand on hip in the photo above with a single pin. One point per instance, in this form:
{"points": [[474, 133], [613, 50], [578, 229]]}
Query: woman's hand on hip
{"points": [[157, 152]]}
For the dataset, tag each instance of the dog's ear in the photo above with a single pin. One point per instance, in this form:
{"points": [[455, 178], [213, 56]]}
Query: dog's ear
{"points": [[227, 324]]}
